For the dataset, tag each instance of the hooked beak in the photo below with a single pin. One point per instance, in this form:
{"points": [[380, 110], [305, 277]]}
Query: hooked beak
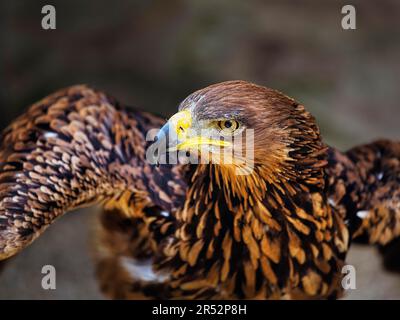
{"points": [[177, 134]]}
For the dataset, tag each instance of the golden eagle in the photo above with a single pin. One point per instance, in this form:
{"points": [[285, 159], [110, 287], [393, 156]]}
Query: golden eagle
{"points": [[280, 229]]}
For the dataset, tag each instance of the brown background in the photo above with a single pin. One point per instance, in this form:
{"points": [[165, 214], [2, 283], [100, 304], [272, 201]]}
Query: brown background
{"points": [[151, 54]]}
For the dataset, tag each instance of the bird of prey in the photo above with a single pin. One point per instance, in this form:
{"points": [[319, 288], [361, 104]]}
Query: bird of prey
{"points": [[278, 229]]}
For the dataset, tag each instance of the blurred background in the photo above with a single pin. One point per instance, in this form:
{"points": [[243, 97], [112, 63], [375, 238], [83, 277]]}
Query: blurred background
{"points": [[150, 54]]}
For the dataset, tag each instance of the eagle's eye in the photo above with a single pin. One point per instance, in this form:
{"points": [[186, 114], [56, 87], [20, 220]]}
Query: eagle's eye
{"points": [[228, 126]]}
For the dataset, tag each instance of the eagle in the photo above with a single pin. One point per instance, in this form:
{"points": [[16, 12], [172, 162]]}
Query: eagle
{"points": [[273, 220]]}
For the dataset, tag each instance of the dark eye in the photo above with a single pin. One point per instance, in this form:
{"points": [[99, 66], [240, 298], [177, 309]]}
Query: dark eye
{"points": [[228, 125]]}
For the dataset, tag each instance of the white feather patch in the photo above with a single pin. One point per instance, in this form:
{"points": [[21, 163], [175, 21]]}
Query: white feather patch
{"points": [[141, 270], [362, 214]]}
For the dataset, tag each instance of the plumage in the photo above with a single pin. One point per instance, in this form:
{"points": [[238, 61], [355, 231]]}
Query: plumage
{"points": [[281, 230]]}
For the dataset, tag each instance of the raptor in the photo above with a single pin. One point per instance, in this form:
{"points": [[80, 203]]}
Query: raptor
{"points": [[199, 230]]}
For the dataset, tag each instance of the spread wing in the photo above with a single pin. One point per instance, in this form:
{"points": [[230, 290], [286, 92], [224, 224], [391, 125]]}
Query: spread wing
{"points": [[75, 148]]}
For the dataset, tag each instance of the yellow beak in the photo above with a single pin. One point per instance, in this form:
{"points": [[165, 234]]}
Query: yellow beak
{"points": [[177, 132]]}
